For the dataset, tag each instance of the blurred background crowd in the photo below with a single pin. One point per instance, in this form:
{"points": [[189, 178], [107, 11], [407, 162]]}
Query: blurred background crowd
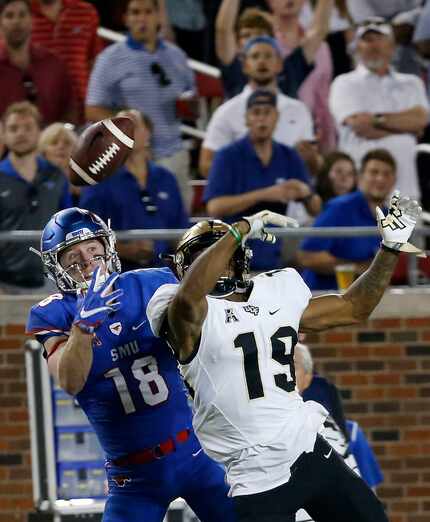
{"points": [[314, 108]]}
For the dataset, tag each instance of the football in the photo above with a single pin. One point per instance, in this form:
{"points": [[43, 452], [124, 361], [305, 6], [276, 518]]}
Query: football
{"points": [[101, 149]]}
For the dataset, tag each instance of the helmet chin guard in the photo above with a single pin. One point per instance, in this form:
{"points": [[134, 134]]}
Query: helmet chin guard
{"points": [[69, 227], [200, 237]]}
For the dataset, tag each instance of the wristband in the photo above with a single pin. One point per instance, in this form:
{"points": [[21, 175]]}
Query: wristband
{"points": [[378, 121], [388, 249], [236, 234]]}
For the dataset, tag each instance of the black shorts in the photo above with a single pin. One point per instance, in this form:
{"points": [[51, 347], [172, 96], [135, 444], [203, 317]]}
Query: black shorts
{"points": [[323, 485]]}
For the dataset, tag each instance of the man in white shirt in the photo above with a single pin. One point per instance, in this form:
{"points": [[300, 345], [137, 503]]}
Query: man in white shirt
{"points": [[262, 64], [376, 107], [234, 338]]}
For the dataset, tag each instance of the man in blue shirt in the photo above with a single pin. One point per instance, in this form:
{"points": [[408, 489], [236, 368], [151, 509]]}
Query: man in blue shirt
{"points": [[31, 189], [100, 348], [320, 255], [149, 74], [255, 173], [141, 195]]}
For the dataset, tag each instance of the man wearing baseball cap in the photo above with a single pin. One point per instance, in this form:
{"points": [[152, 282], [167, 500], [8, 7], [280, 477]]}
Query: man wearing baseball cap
{"points": [[376, 107], [262, 63], [256, 172], [376, 24]]}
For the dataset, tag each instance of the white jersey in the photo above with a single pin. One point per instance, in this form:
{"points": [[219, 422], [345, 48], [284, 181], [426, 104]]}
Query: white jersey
{"points": [[248, 412]]}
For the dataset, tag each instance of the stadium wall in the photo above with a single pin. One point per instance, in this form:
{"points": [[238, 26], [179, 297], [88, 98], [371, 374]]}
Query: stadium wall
{"points": [[381, 367]]}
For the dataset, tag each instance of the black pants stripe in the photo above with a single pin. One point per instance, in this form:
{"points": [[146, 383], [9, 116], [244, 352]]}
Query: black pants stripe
{"points": [[325, 487]]}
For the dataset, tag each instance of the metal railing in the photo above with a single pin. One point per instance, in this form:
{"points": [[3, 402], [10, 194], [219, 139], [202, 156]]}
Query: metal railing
{"points": [[21, 236], [25, 236]]}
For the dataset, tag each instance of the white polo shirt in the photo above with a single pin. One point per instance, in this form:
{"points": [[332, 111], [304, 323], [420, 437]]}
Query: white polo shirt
{"points": [[363, 91], [228, 121]]}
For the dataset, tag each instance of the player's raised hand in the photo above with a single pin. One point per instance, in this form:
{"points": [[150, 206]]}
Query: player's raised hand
{"points": [[99, 301], [258, 221], [397, 226]]}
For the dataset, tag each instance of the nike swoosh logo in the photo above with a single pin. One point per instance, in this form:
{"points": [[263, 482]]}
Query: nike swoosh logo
{"points": [[5, 193], [197, 452], [84, 313], [138, 325], [328, 454], [274, 311]]}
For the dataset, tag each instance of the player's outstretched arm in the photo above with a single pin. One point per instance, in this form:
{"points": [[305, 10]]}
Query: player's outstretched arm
{"points": [[361, 298], [73, 361], [358, 302], [188, 309]]}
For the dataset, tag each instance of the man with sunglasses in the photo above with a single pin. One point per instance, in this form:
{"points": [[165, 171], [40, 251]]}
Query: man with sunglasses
{"points": [[149, 74], [31, 189], [29, 72], [141, 195]]}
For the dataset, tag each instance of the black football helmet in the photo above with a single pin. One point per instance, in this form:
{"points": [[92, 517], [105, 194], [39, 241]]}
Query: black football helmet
{"points": [[200, 237]]}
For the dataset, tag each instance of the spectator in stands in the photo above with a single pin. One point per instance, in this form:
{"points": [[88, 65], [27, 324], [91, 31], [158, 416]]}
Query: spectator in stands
{"points": [[315, 89], [402, 15], [69, 28], [314, 387], [262, 64], [231, 35], [376, 107], [148, 74], [320, 255], [29, 72], [256, 173], [363, 454], [141, 195], [188, 22], [56, 143], [337, 177], [31, 189]]}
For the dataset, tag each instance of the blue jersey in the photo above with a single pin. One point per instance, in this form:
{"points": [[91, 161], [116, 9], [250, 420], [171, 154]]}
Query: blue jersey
{"points": [[134, 396]]}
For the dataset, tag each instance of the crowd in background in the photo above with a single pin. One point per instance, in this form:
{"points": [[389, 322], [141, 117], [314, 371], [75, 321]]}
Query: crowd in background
{"points": [[318, 114]]}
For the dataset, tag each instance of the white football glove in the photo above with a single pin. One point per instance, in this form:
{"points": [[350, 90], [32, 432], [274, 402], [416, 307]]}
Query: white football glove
{"points": [[266, 217], [397, 226]]}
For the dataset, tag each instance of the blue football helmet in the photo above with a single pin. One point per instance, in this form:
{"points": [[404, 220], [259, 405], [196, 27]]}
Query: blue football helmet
{"points": [[66, 228]]}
